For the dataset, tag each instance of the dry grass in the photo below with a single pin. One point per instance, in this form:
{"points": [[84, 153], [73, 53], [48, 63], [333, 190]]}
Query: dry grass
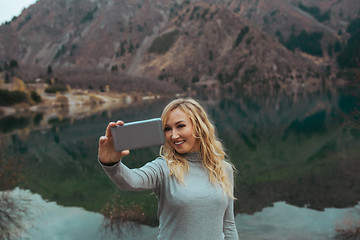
{"points": [[349, 230], [120, 218], [12, 210], [97, 80]]}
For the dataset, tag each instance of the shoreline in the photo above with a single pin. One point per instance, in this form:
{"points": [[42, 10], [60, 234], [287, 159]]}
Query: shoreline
{"points": [[76, 103]]}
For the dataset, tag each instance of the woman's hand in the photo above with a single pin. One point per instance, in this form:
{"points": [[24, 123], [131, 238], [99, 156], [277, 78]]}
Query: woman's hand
{"points": [[107, 153]]}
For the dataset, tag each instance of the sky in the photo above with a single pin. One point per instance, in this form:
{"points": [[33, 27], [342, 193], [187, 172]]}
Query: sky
{"points": [[11, 8]]}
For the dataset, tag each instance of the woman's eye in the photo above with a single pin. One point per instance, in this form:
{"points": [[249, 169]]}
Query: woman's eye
{"points": [[166, 129], [181, 125]]}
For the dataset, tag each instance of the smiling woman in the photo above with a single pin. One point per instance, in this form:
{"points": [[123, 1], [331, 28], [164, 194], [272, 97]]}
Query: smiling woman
{"points": [[191, 170]]}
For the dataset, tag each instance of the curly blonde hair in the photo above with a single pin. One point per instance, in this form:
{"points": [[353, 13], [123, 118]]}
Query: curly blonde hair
{"points": [[211, 149]]}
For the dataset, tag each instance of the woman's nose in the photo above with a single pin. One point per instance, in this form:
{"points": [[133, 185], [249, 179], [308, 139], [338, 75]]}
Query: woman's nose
{"points": [[174, 134]]}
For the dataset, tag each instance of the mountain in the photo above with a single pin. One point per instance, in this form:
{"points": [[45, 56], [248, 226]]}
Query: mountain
{"points": [[231, 43]]}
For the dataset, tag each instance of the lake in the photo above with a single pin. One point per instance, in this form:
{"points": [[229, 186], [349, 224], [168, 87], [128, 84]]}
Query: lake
{"points": [[296, 155]]}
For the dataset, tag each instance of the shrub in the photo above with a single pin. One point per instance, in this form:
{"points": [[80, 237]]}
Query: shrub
{"points": [[89, 16], [11, 123], [13, 64], [354, 26], [56, 88], [8, 98], [23, 22], [348, 74], [195, 13], [241, 35], [195, 79], [60, 51], [250, 74], [315, 12], [306, 42], [182, 83], [163, 43], [345, 233], [120, 217], [349, 55], [35, 97]]}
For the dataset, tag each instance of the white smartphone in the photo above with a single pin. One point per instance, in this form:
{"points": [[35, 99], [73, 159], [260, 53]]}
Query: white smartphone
{"points": [[139, 134]]}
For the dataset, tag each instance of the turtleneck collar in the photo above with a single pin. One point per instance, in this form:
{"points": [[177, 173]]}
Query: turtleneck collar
{"points": [[193, 157]]}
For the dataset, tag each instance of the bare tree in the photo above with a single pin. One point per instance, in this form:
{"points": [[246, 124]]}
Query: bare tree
{"points": [[120, 218], [12, 209]]}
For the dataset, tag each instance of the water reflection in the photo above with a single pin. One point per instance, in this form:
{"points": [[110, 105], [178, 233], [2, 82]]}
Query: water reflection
{"points": [[70, 223], [291, 149], [11, 123], [285, 222]]}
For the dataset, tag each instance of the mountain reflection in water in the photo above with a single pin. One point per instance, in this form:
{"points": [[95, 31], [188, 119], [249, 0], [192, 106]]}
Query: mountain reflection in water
{"points": [[47, 220], [288, 149]]}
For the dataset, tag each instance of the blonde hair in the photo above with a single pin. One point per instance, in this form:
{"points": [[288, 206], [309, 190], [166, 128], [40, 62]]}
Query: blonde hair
{"points": [[211, 149]]}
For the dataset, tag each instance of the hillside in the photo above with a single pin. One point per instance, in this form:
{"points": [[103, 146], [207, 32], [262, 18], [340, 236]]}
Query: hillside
{"points": [[214, 43], [234, 43]]}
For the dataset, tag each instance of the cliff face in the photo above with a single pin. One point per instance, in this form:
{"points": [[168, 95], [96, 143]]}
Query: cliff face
{"points": [[234, 42]]}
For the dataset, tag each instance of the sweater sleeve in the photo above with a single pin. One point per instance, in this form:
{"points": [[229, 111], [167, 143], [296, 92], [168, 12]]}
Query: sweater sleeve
{"points": [[229, 226], [147, 177]]}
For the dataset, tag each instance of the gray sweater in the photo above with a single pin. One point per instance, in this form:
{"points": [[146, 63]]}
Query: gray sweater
{"points": [[196, 210]]}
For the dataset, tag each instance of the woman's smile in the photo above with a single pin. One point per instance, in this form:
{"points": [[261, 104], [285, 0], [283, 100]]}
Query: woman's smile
{"points": [[178, 143]]}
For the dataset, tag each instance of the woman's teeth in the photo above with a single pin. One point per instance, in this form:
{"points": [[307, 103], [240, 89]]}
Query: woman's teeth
{"points": [[178, 143]]}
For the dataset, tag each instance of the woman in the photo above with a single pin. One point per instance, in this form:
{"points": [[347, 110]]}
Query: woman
{"points": [[191, 180]]}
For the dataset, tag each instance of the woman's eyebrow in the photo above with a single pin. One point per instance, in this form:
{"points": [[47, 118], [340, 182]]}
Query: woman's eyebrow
{"points": [[176, 123]]}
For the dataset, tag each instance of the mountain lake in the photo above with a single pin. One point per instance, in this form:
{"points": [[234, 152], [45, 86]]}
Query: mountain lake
{"points": [[296, 155]]}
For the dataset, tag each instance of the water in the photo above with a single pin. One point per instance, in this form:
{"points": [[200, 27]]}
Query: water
{"points": [[297, 160], [47, 220]]}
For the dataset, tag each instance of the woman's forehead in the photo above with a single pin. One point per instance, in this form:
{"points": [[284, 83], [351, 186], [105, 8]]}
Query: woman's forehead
{"points": [[176, 116]]}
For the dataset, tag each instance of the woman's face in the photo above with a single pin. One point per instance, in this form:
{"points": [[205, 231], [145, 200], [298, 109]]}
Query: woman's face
{"points": [[179, 132]]}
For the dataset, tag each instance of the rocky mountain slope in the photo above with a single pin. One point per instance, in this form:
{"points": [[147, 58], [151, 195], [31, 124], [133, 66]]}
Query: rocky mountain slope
{"points": [[228, 42]]}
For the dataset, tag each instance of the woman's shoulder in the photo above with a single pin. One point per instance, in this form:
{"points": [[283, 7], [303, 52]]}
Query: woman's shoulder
{"points": [[160, 163], [228, 166], [160, 160]]}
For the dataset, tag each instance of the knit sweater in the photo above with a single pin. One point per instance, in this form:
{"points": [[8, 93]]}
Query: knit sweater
{"points": [[196, 209]]}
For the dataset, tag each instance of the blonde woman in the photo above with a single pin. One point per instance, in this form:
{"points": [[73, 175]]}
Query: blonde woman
{"points": [[191, 179]]}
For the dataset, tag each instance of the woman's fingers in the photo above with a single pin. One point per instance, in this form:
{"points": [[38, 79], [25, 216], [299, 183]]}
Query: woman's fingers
{"points": [[107, 153], [108, 129], [110, 125], [102, 140], [125, 152]]}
